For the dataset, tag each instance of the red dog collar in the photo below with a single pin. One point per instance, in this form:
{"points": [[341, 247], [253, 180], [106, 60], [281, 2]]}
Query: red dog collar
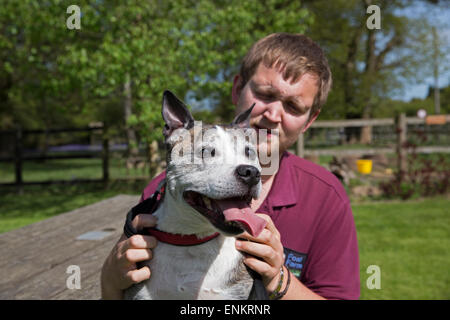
{"points": [[149, 205], [179, 239]]}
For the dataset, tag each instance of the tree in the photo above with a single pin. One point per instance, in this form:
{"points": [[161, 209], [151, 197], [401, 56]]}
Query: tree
{"points": [[32, 36], [124, 56], [369, 65], [190, 47]]}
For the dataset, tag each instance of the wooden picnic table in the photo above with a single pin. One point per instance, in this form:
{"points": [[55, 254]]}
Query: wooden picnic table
{"points": [[36, 260]]}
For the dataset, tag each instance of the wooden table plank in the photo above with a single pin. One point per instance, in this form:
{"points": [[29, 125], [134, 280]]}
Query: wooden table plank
{"points": [[35, 258]]}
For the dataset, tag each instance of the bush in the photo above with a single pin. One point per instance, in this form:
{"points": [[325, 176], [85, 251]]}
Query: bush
{"points": [[427, 175]]}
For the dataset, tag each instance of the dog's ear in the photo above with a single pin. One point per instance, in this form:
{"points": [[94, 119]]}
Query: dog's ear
{"points": [[175, 114], [242, 120]]}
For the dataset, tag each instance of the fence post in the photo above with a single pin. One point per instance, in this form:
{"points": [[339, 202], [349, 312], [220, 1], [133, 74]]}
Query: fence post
{"points": [[18, 159], [300, 146], [401, 141], [105, 154]]}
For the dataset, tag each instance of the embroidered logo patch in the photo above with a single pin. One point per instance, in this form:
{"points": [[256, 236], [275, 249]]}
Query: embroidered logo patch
{"points": [[294, 261]]}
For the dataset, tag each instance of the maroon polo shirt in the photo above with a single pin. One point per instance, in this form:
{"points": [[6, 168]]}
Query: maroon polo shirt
{"points": [[312, 212]]}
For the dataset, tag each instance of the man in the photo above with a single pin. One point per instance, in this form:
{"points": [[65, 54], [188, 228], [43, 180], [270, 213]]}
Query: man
{"points": [[308, 249]]}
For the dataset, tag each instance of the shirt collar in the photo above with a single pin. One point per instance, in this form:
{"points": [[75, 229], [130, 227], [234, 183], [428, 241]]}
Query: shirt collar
{"points": [[283, 193]]}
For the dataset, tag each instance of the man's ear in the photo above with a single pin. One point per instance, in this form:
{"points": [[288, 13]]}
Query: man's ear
{"points": [[175, 114], [236, 90], [311, 120]]}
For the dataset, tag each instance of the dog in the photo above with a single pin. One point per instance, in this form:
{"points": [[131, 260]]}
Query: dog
{"points": [[212, 175]]}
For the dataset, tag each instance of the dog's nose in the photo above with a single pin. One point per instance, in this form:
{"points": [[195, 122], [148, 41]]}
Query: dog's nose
{"points": [[250, 175]]}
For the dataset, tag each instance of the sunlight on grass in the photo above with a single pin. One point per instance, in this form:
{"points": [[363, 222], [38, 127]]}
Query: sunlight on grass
{"points": [[409, 241], [68, 169]]}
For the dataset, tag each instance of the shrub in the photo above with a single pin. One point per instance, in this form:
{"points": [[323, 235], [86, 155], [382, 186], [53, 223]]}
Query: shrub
{"points": [[427, 175]]}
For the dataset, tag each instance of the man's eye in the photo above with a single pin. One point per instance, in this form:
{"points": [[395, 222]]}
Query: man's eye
{"points": [[293, 109], [264, 97]]}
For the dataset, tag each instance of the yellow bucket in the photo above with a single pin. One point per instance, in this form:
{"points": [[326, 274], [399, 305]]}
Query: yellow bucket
{"points": [[364, 166]]}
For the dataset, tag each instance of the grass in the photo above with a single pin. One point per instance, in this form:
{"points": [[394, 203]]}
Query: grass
{"points": [[409, 241], [67, 169]]}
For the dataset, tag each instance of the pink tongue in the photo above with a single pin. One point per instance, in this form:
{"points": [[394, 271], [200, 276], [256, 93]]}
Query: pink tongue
{"points": [[238, 210]]}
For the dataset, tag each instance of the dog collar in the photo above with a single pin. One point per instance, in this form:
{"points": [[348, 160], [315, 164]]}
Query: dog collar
{"points": [[179, 239], [149, 206]]}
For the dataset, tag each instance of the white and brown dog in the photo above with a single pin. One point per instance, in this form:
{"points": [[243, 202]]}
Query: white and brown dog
{"points": [[212, 175]]}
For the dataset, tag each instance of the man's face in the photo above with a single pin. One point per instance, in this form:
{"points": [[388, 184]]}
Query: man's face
{"points": [[279, 104]]}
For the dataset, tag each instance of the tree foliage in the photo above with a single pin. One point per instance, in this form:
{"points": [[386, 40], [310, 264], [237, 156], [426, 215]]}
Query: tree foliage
{"points": [[370, 66], [127, 53], [115, 68]]}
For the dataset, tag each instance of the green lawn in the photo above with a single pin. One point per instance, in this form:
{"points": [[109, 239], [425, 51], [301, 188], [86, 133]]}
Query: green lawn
{"points": [[68, 169], [410, 243]]}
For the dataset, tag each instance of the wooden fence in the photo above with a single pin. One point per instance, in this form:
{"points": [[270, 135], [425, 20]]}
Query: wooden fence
{"points": [[401, 128], [19, 157]]}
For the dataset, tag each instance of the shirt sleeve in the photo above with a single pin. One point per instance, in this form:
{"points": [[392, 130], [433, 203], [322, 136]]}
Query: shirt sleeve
{"points": [[333, 267]]}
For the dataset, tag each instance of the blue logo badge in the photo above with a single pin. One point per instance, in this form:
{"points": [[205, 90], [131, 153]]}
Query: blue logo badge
{"points": [[294, 261]]}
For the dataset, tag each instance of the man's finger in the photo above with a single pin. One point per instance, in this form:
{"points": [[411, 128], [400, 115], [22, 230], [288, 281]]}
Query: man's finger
{"points": [[138, 255], [270, 225], [261, 267], [139, 275], [138, 241], [263, 237], [258, 250], [144, 220]]}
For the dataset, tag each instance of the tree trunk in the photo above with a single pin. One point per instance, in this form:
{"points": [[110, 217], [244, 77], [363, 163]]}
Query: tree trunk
{"points": [[437, 103], [366, 132], [369, 75], [351, 133], [133, 150], [349, 67]]}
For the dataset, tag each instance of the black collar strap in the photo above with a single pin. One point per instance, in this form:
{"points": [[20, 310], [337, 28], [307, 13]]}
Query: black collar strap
{"points": [[149, 205]]}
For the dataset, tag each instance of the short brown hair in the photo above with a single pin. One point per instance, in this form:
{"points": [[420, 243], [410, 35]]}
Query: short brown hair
{"points": [[295, 55]]}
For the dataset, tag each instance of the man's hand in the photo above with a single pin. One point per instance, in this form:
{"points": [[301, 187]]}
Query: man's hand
{"points": [[266, 253], [119, 270]]}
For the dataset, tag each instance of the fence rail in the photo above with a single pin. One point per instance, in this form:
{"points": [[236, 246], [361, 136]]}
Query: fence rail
{"points": [[352, 123], [401, 129]]}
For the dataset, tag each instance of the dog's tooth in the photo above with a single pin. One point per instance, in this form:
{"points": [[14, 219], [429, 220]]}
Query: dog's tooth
{"points": [[207, 203]]}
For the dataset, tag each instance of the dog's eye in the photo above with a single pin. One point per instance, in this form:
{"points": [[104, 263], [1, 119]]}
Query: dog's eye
{"points": [[249, 153], [208, 152]]}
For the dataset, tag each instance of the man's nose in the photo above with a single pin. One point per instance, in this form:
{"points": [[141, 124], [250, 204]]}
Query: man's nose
{"points": [[273, 111]]}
